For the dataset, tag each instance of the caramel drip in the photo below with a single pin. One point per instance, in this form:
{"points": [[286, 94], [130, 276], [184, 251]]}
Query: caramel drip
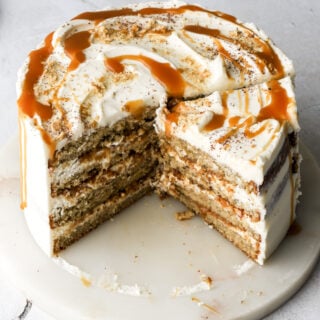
{"points": [[74, 46], [23, 163], [278, 107], [135, 107], [27, 101], [270, 58], [169, 77], [217, 121], [267, 145], [246, 102], [173, 117]]}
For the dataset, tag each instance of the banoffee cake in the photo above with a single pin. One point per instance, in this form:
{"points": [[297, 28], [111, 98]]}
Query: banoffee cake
{"points": [[170, 97]]}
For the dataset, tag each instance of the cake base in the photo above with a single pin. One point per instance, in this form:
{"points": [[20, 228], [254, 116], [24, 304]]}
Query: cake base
{"points": [[147, 246]]}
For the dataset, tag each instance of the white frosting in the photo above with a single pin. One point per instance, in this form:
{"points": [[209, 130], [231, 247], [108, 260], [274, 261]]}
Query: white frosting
{"points": [[244, 267], [249, 157], [204, 285], [204, 71], [108, 280], [37, 186]]}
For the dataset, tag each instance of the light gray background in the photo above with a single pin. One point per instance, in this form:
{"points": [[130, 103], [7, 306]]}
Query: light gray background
{"points": [[293, 25]]}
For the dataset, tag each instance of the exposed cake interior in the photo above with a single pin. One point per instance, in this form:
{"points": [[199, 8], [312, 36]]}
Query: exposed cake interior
{"points": [[219, 177], [166, 96]]}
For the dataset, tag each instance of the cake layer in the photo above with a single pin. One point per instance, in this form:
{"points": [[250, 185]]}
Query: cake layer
{"points": [[77, 201], [76, 228], [71, 173], [192, 163], [175, 183], [258, 239], [235, 233], [105, 137]]}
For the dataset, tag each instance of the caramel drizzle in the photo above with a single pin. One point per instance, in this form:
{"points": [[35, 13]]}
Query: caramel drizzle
{"points": [[23, 163], [265, 52], [76, 43], [135, 107], [74, 46], [173, 117], [169, 77], [276, 109], [217, 121], [27, 101]]}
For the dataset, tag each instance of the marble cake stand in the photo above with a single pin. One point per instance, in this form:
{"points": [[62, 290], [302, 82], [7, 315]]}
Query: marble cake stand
{"points": [[145, 251]]}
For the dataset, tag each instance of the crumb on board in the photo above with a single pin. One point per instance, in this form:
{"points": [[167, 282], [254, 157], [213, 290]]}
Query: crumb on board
{"points": [[205, 305], [86, 282], [184, 215], [206, 279]]}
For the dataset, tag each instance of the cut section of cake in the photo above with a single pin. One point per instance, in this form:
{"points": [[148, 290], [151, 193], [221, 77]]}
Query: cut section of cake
{"points": [[232, 157], [165, 96]]}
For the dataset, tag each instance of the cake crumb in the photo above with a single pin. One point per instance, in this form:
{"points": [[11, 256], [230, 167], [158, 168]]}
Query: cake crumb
{"points": [[86, 282], [206, 279], [184, 215]]}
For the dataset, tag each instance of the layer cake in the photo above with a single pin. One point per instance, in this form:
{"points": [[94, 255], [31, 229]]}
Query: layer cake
{"points": [[164, 96]]}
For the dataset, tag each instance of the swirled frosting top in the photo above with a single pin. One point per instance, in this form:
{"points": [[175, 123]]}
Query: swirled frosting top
{"points": [[86, 73]]}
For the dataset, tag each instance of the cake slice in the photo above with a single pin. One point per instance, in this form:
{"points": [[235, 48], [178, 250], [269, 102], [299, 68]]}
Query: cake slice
{"points": [[233, 158]]}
